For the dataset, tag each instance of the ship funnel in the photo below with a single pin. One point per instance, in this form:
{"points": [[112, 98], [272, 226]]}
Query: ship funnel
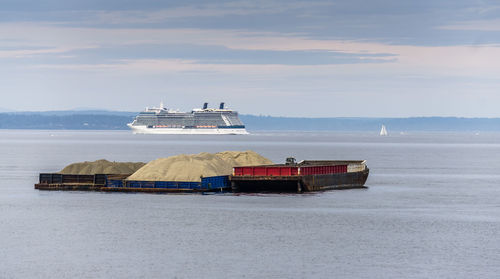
{"points": [[205, 105], [221, 106]]}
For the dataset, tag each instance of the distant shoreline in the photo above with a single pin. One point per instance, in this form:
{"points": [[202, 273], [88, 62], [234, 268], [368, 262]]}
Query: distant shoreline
{"points": [[110, 120]]}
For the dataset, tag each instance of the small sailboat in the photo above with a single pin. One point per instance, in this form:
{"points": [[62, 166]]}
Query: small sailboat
{"points": [[383, 131]]}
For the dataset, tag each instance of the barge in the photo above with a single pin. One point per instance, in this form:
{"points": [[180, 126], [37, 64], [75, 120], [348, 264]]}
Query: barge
{"points": [[305, 176], [119, 183]]}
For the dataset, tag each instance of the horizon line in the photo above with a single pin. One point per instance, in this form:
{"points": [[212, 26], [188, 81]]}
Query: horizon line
{"points": [[77, 111]]}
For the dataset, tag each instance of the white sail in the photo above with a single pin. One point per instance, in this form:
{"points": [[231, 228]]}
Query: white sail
{"points": [[383, 131]]}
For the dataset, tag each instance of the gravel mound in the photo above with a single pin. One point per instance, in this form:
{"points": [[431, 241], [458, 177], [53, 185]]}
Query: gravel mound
{"points": [[193, 167], [243, 158], [102, 166]]}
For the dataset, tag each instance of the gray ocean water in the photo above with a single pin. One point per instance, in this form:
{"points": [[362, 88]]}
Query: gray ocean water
{"points": [[432, 210]]}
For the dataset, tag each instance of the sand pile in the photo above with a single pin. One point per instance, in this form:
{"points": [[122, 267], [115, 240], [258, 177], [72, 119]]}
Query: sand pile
{"points": [[193, 167], [102, 166], [244, 158]]}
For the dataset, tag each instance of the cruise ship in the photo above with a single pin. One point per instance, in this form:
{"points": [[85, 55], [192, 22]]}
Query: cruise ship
{"points": [[206, 121]]}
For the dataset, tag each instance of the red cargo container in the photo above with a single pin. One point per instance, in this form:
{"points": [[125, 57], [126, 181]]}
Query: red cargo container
{"points": [[279, 170], [317, 175], [266, 171], [323, 169]]}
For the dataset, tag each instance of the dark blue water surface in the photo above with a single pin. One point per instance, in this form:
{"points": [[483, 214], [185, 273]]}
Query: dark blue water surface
{"points": [[432, 210]]}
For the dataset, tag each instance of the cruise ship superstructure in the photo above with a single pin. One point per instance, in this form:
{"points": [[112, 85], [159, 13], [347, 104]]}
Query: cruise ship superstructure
{"points": [[199, 121]]}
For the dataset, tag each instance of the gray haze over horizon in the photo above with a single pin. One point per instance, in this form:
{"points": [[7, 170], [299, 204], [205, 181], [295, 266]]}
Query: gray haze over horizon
{"points": [[282, 58]]}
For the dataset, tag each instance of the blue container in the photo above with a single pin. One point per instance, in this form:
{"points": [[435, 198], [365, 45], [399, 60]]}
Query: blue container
{"points": [[114, 183], [188, 185], [207, 183], [215, 182], [161, 184], [134, 184]]}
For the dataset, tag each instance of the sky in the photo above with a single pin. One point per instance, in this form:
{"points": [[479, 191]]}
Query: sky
{"points": [[346, 58]]}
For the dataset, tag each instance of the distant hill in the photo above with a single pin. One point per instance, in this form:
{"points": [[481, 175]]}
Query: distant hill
{"points": [[113, 120], [76, 112], [64, 121]]}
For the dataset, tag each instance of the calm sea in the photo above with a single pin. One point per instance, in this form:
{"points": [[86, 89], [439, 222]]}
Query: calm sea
{"points": [[432, 210]]}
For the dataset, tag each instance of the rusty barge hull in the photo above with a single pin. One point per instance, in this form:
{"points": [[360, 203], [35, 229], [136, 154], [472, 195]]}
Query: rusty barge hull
{"points": [[300, 183], [103, 188]]}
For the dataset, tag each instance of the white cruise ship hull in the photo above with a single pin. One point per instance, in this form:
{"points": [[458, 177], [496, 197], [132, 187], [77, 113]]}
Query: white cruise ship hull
{"points": [[138, 129]]}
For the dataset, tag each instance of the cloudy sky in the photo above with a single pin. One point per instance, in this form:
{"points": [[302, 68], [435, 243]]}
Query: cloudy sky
{"points": [[286, 58]]}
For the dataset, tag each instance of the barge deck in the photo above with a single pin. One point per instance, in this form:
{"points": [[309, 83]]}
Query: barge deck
{"points": [[306, 176]]}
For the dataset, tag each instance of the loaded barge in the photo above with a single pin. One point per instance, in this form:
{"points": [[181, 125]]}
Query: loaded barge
{"points": [[118, 183], [304, 176]]}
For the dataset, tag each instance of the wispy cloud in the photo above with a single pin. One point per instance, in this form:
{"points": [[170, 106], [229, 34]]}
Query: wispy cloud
{"points": [[187, 12], [474, 25], [331, 50], [38, 51], [483, 59]]}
